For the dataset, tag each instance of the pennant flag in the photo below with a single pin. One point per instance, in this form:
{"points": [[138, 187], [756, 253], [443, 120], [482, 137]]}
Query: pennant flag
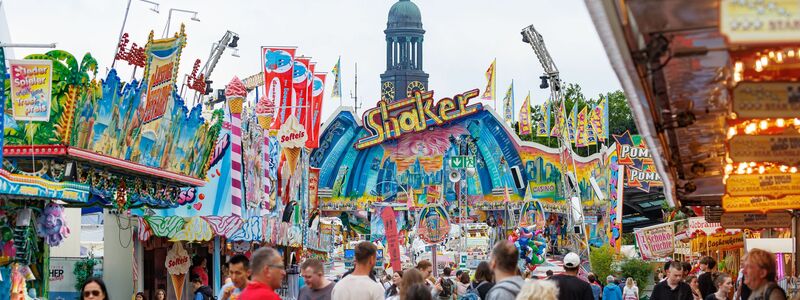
{"points": [[596, 120], [572, 123], [580, 136], [560, 121], [591, 135], [488, 93], [606, 128], [336, 94], [300, 73], [543, 125], [508, 104], [525, 116]]}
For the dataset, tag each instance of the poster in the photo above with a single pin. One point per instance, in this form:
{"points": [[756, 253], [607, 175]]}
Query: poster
{"points": [[656, 241], [31, 89], [161, 69]]}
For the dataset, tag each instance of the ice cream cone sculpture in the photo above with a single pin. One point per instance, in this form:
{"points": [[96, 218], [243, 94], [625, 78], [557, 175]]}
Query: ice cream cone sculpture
{"points": [[291, 155], [177, 264], [292, 137], [265, 110]]}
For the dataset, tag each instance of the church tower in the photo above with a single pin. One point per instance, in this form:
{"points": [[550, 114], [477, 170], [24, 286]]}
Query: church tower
{"points": [[404, 36]]}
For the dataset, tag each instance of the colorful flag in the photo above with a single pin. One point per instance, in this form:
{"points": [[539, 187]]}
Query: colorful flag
{"points": [[488, 93], [572, 123], [559, 121], [599, 120], [508, 104], [580, 135], [278, 63], [543, 125], [336, 93], [300, 73], [591, 135], [305, 111], [315, 110], [525, 116]]}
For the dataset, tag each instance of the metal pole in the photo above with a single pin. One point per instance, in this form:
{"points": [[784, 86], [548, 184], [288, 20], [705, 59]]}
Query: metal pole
{"points": [[116, 46], [216, 259]]}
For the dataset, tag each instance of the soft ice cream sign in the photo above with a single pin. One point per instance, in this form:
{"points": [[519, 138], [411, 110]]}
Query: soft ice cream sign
{"points": [[177, 264], [389, 121], [292, 134], [31, 82]]}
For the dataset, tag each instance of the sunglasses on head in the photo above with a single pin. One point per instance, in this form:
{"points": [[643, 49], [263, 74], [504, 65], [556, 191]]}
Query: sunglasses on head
{"points": [[91, 293]]}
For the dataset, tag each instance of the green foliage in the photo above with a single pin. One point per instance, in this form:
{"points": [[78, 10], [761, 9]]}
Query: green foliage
{"points": [[84, 269], [637, 269], [601, 260], [628, 238]]}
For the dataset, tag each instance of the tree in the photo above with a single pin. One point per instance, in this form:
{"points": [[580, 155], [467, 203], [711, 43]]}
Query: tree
{"points": [[640, 270], [601, 259], [619, 114]]}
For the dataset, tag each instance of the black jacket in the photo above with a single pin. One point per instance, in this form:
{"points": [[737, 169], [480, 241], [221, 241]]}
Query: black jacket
{"points": [[706, 283], [208, 293], [662, 291]]}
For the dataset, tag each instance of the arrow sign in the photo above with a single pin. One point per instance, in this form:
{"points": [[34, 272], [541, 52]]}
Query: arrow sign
{"points": [[456, 162]]}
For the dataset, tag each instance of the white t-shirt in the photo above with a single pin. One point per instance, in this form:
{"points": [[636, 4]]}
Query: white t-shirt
{"points": [[357, 288], [630, 291]]}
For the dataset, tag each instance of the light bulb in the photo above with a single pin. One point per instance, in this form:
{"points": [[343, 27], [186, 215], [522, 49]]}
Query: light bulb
{"points": [[783, 168], [793, 169], [771, 54], [728, 168], [779, 57], [761, 170], [752, 164], [764, 61], [731, 132], [759, 68], [749, 170], [751, 128], [780, 123], [796, 122], [763, 125], [738, 66], [790, 53]]}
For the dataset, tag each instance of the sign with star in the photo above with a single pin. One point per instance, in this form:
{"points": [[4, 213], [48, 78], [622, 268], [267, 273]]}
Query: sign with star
{"points": [[640, 171]]}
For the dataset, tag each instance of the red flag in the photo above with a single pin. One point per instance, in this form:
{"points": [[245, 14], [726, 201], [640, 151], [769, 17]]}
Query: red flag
{"points": [[278, 63], [305, 108], [300, 84], [315, 110]]}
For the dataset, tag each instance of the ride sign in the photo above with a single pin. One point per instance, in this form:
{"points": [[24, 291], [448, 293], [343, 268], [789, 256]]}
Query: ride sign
{"points": [[389, 121]]}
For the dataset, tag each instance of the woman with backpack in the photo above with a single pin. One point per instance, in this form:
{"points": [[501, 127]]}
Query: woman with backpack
{"points": [[483, 282], [462, 284]]}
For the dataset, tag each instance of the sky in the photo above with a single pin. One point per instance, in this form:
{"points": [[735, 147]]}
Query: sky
{"points": [[461, 40]]}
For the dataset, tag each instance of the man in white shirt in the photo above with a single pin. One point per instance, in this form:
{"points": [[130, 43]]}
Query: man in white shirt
{"points": [[358, 285]]}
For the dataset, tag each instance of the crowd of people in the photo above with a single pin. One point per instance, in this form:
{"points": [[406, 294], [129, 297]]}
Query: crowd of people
{"points": [[258, 277]]}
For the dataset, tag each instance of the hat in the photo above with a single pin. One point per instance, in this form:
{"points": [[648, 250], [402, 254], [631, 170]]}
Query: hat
{"points": [[572, 260]]}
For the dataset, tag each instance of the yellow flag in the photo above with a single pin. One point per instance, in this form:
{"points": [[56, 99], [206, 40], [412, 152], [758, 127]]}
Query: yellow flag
{"points": [[488, 93]]}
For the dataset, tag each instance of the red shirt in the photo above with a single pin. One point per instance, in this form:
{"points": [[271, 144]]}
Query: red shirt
{"points": [[258, 291]]}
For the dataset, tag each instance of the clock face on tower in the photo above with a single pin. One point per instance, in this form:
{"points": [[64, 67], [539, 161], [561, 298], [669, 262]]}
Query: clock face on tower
{"points": [[387, 91], [414, 86]]}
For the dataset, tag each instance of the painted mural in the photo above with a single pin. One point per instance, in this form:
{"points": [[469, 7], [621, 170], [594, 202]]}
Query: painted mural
{"points": [[414, 167]]}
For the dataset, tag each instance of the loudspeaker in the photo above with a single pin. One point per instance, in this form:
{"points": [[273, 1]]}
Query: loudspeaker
{"points": [[578, 229], [454, 176], [519, 182]]}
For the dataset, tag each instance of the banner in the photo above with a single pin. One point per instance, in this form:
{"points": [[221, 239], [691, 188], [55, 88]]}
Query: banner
{"points": [[543, 125], [315, 110], [278, 63], [336, 93], [591, 134], [313, 188], [656, 241], [572, 123], [508, 105], [390, 227], [31, 89], [723, 241], [488, 93], [580, 135], [558, 127], [525, 116], [300, 86], [633, 153], [598, 120], [160, 71]]}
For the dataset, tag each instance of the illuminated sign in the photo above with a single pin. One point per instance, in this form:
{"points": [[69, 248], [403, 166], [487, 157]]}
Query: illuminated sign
{"points": [[761, 100], [756, 220], [389, 121], [765, 148], [759, 22], [773, 185], [759, 203]]}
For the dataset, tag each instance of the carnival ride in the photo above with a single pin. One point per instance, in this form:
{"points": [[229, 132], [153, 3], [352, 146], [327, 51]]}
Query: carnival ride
{"points": [[577, 242]]}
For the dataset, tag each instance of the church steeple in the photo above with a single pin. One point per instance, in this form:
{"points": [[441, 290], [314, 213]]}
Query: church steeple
{"points": [[404, 37]]}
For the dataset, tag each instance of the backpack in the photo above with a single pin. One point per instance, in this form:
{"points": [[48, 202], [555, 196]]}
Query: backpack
{"points": [[472, 292], [207, 293], [771, 287], [447, 288]]}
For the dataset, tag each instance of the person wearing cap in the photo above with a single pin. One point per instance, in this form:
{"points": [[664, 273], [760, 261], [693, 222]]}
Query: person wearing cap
{"points": [[612, 291], [571, 287]]}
